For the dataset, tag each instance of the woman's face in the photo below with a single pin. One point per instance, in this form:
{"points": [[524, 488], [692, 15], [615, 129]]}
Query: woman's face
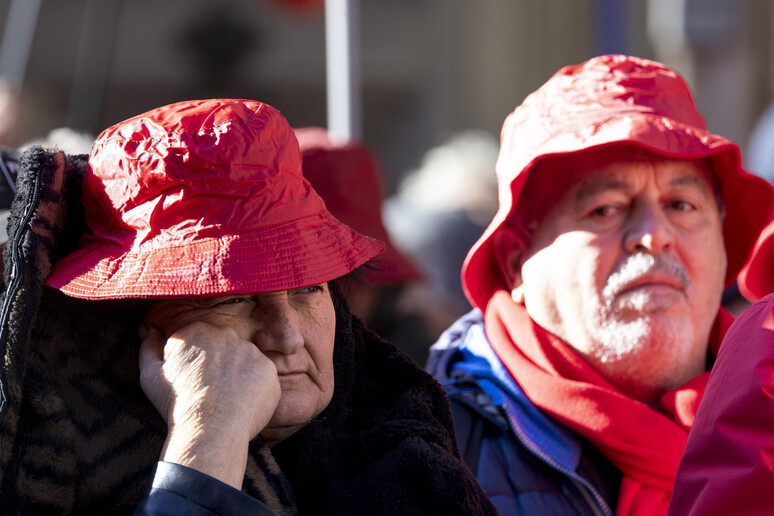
{"points": [[295, 329]]}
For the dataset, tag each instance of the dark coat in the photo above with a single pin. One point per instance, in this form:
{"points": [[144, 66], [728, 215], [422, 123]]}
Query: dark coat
{"points": [[78, 436]]}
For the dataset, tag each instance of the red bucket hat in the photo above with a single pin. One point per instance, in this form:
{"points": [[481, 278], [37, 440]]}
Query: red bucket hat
{"points": [[613, 100], [203, 198], [757, 277], [349, 180]]}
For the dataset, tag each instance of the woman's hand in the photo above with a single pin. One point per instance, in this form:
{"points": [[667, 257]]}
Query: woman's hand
{"points": [[215, 391]]}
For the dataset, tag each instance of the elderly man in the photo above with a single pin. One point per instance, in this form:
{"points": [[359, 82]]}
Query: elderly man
{"points": [[597, 289]]}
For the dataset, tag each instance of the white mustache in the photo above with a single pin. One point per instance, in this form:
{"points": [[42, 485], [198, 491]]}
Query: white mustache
{"points": [[638, 265]]}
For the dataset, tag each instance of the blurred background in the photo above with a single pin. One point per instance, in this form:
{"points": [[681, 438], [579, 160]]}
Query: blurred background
{"points": [[434, 80], [428, 68]]}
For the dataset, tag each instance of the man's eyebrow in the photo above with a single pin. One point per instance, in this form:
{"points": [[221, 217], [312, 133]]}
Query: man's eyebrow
{"points": [[589, 189], [690, 180]]}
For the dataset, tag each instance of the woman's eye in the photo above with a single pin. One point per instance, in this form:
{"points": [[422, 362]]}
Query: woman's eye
{"points": [[230, 301], [605, 211], [312, 289]]}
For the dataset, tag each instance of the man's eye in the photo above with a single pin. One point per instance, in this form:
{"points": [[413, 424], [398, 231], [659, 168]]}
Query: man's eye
{"points": [[680, 205]]}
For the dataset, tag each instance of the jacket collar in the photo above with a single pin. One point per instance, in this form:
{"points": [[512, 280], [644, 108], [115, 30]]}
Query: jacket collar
{"points": [[463, 353]]}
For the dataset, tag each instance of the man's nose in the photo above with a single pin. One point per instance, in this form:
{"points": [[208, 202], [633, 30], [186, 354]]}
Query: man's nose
{"points": [[278, 329], [648, 229]]}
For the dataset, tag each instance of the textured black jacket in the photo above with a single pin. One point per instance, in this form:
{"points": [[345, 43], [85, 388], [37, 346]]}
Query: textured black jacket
{"points": [[78, 436]]}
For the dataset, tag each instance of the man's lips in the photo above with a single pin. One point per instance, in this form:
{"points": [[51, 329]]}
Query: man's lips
{"points": [[656, 279]]}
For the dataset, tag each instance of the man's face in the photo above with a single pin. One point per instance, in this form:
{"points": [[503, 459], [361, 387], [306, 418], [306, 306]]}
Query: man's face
{"points": [[295, 329], [628, 268]]}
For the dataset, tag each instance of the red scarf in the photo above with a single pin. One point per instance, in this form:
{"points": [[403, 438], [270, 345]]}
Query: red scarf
{"points": [[644, 444]]}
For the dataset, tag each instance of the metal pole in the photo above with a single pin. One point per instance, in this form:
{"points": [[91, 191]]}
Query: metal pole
{"points": [[18, 36], [92, 66], [342, 19]]}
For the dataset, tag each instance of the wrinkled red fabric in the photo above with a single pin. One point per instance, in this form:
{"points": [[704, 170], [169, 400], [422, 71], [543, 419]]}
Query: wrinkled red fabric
{"points": [[757, 277], [614, 100], [203, 198], [728, 465], [643, 443], [348, 178]]}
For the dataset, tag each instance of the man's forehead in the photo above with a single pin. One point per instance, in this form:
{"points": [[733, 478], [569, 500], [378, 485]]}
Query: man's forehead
{"points": [[620, 175], [583, 173]]}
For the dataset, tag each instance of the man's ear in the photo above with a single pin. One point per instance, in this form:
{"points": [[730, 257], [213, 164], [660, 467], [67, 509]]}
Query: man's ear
{"points": [[509, 245]]}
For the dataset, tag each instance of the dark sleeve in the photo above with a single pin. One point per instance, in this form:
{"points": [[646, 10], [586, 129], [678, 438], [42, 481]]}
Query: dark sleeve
{"points": [[181, 491], [415, 478]]}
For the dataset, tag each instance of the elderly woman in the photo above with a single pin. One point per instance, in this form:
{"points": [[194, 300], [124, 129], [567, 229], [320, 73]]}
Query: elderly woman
{"points": [[191, 351]]}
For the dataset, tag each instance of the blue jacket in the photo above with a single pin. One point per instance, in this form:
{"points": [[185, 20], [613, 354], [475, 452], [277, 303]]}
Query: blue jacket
{"points": [[527, 462]]}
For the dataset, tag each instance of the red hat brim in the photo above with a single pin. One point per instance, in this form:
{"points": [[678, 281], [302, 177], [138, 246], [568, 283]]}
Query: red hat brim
{"points": [[757, 278], [283, 258], [204, 198]]}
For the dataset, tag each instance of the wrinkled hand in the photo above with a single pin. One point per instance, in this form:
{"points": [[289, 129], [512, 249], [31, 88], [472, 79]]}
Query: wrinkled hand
{"points": [[215, 391]]}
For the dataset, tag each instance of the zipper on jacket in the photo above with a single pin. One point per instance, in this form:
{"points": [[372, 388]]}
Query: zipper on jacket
{"points": [[588, 492], [15, 277], [581, 484], [593, 499]]}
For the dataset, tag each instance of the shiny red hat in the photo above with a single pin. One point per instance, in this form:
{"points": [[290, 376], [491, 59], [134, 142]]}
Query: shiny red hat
{"points": [[613, 100], [348, 178], [757, 277], [203, 198]]}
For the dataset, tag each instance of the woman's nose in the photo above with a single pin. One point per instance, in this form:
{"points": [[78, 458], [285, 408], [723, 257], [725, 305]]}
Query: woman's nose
{"points": [[278, 329]]}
